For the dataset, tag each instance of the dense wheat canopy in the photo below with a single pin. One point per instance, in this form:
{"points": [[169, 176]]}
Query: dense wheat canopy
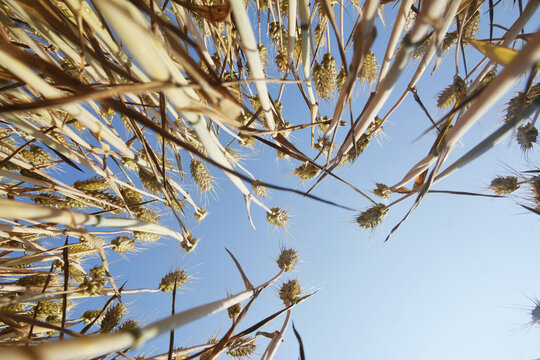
{"points": [[117, 116]]}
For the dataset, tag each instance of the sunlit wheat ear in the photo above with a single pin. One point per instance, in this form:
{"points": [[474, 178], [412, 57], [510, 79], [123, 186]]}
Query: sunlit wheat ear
{"points": [[373, 216], [281, 62], [193, 242], [279, 109], [150, 182], [487, 79], [201, 175], [382, 191], [14, 307], [91, 315], [200, 214], [284, 7], [421, 49], [375, 128], [361, 145], [278, 217], [278, 34], [450, 39], [167, 282], [92, 184], [131, 197], [526, 136], [129, 164], [128, 325], [112, 318], [105, 196], [85, 244], [307, 171], [146, 214], [146, 237], [262, 4], [93, 285], [411, 18], [471, 27], [516, 104], [368, 71], [30, 173], [242, 347], [321, 143], [255, 102], [176, 203], [234, 310], [322, 123], [76, 275], [123, 244], [298, 50], [287, 260], [448, 96], [184, 356], [36, 155], [503, 185], [243, 118], [51, 200], [282, 126], [246, 141], [340, 80], [290, 292], [325, 76], [98, 272], [35, 280], [318, 34], [49, 311], [259, 190], [233, 155], [262, 53]]}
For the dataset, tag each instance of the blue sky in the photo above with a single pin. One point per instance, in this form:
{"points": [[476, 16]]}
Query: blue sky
{"points": [[453, 283]]}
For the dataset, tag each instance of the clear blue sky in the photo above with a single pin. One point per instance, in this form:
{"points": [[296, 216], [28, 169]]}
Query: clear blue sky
{"points": [[452, 283]]}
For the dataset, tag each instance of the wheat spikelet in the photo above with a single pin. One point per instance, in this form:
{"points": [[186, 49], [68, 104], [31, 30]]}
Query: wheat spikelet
{"points": [[526, 136], [306, 171], [201, 175], [368, 71], [123, 244], [178, 276], [260, 190], [325, 76], [287, 260], [234, 310], [112, 318], [290, 291], [503, 185], [373, 216], [277, 217], [242, 347]]}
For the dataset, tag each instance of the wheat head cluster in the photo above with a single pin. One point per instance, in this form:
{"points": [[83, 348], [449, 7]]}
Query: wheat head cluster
{"points": [[115, 114]]}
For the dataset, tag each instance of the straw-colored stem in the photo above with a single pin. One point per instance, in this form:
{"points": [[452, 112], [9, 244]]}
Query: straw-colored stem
{"points": [[278, 338], [249, 45], [24, 211], [401, 18]]}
